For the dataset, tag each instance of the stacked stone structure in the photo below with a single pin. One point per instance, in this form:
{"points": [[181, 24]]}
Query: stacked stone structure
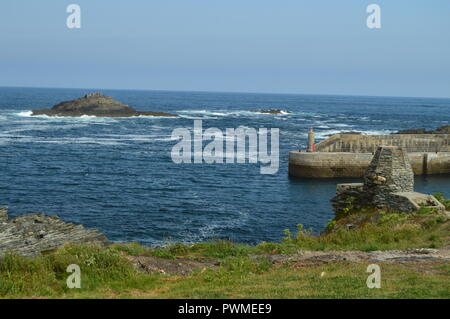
{"points": [[389, 172], [388, 184]]}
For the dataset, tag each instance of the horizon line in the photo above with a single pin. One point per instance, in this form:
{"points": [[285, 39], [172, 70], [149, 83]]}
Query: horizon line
{"points": [[223, 92]]}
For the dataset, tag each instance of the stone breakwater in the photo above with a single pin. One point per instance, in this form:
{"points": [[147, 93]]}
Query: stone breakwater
{"points": [[34, 234], [349, 155]]}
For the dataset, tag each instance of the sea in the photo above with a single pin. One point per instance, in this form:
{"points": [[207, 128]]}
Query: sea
{"points": [[117, 174]]}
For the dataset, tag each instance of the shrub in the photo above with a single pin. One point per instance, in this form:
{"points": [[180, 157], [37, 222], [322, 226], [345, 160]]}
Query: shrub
{"points": [[440, 197]]}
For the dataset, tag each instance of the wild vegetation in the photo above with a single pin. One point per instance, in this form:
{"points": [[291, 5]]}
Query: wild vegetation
{"points": [[246, 271]]}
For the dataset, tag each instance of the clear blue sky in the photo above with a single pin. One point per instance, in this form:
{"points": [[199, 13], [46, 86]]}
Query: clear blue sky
{"points": [[287, 46]]}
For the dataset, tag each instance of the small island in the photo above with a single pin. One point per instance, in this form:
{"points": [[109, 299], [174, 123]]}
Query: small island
{"points": [[96, 104]]}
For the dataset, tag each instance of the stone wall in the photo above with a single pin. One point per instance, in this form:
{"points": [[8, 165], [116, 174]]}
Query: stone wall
{"points": [[3, 214], [359, 143], [345, 164], [388, 172]]}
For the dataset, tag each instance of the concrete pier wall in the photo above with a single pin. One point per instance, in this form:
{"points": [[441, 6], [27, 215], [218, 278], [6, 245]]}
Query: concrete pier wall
{"points": [[346, 164], [349, 154], [358, 143]]}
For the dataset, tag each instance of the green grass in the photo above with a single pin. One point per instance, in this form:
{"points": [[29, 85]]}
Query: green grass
{"points": [[391, 230], [440, 197], [212, 249], [46, 275], [107, 273], [335, 280]]}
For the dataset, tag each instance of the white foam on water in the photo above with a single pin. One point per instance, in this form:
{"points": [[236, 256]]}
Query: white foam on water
{"points": [[377, 132], [164, 139], [294, 135], [83, 118], [43, 126], [198, 117], [207, 114], [139, 138], [327, 133], [62, 140], [150, 117], [88, 117], [82, 140], [24, 113], [157, 127], [200, 114], [211, 229]]}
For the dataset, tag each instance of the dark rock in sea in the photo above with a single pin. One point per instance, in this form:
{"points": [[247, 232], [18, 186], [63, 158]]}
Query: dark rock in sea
{"points": [[95, 104], [35, 234], [415, 131], [271, 111], [441, 130], [350, 133]]}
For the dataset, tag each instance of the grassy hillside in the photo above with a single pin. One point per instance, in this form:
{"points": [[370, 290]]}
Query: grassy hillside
{"points": [[242, 271]]}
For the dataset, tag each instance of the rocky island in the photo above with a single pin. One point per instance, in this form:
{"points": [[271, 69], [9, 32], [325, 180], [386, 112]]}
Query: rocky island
{"points": [[96, 104]]}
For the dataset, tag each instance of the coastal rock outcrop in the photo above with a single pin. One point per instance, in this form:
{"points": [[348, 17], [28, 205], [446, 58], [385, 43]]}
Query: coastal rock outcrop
{"points": [[34, 234], [95, 104], [440, 130]]}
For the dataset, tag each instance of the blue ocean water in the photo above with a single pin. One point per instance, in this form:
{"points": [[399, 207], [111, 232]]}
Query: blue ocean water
{"points": [[116, 174]]}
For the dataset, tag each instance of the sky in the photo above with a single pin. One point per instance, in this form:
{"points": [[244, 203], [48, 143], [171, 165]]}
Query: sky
{"points": [[268, 46]]}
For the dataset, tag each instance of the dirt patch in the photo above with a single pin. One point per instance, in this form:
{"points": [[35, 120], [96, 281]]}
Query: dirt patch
{"points": [[324, 257], [178, 266], [185, 266]]}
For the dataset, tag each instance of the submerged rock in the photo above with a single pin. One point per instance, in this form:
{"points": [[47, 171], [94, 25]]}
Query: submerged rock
{"points": [[34, 234], [271, 111], [95, 104]]}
